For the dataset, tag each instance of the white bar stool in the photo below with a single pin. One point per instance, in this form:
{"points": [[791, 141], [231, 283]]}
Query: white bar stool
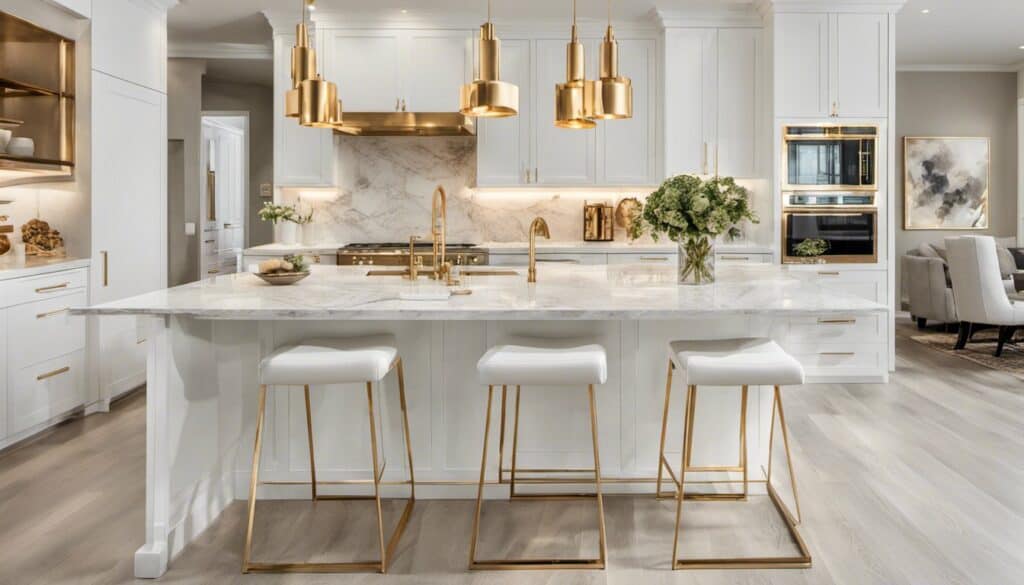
{"points": [[542, 363], [732, 362], [332, 361]]}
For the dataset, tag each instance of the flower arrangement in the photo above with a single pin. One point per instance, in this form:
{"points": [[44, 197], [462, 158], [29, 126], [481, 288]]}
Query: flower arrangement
{"points": [[275, 213], [693, 212]]}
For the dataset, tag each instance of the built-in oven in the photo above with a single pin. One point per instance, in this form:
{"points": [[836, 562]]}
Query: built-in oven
{"points": [[830, 158], [841, 234]]}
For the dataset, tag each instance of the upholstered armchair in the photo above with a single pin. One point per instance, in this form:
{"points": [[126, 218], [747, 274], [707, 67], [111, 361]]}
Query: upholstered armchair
{"points": [[979, 290], [926, 291]]}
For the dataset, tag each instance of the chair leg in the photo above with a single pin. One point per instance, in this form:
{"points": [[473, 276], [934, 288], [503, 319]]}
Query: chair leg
{"points": [[691, 396], [743, 438], [254, 479], [789, 456], [964, 335], [1005, 335], [664, 427], [405, 426], [922, 323], [480, 485], [597, 478], [309, 434], [376, 479]]}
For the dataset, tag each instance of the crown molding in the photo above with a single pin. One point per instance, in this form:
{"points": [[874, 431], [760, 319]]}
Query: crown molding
{"points": [[710, 15], [177, 50], [842, 6], [158, 5], [970, 68]]}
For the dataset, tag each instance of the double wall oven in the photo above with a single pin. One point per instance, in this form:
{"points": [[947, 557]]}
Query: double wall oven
{"points": [[829, 189]]}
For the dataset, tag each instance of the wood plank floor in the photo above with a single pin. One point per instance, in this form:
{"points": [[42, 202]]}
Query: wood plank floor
{"points": [[913, 482]]}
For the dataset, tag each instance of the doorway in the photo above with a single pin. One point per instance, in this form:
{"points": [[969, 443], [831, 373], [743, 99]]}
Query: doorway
{"points": [[223, 191]]}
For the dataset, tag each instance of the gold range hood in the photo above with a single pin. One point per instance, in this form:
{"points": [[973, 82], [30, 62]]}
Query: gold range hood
{"points": [[406, 124]]}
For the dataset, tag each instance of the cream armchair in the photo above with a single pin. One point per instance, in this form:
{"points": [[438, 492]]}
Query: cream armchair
{"points": [[979, 290]]}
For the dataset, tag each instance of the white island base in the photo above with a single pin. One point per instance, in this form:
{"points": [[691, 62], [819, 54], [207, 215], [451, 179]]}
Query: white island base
{"points": [[203, 389]]}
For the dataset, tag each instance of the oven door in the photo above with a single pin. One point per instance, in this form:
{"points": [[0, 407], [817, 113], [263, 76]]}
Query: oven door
{"points": [[829, 163], [830, 236]]}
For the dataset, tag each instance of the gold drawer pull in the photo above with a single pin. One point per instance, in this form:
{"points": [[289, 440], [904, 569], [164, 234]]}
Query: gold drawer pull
{"points": [[63, 370], [558, 260], [213, 271], [734, 257], [836, 321], [209, 241], [140, 342], [653, 259], [47, 289], [828, 274], [51, 313], [837, 353]]}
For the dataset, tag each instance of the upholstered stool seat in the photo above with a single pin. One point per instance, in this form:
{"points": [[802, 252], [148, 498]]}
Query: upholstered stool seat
{"points": [[536, 365], [735, 362], [355, 360], [742, 362], [331, 361], [540, 362]]}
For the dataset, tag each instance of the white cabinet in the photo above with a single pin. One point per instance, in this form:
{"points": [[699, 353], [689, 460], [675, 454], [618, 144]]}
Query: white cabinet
{"points": [[712, 101], [223, 197], [504, 144], [129, 41], [3, 373], [387, 71], [831, 65], [561, 156], [627, 149], [129, 216], [303, 157]]}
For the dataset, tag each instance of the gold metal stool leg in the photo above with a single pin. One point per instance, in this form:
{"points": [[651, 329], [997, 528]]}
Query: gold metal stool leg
{"points": [[664, 430], [539, 564], [803, 559], [501, 437], [309, 434], [387, 549]]}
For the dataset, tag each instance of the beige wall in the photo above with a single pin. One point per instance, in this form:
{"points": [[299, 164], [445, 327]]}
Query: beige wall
{"points": [[960, 104], [258, 100], [184, 109]]}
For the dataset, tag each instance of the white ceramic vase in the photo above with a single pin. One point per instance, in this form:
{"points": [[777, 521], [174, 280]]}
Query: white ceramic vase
{"points": [[288, 233]]}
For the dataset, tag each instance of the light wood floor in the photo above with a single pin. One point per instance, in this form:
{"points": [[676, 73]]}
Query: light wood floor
{"points": [[914, 482]]}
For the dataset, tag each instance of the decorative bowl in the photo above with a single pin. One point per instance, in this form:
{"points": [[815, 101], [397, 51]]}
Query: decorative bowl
{"points": [[282, 278]]}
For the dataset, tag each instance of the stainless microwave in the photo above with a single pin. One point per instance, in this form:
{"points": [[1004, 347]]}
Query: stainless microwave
{"points": [[830, 158]]}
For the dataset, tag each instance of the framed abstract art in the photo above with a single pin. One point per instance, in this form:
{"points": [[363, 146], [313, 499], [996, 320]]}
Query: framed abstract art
{"points": [[946, 184]]}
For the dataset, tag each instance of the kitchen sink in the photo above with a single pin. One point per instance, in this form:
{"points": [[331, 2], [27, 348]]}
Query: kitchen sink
{"points": [[488, 273], [394, 272]]}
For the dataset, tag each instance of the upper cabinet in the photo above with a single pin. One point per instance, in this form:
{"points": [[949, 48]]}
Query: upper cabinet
{"points": [[390, 71], [831, 65], [303, 157], [142, 26], [713, 92], [528, 150]]}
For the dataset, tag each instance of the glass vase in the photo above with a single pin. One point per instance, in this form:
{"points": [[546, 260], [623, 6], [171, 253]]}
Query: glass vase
{"points": [[696, 261]]}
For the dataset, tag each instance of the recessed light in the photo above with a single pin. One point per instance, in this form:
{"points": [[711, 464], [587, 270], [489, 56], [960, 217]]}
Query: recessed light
{"points": [[1021, 47], [926, 11], [404, 11]]}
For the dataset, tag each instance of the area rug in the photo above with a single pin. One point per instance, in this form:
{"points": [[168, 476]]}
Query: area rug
{"points": [[979, 351]]}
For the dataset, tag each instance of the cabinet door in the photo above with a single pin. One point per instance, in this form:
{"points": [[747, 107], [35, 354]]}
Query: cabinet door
{"points": [[802, 65], [627, 147], [739, 93], [367, 68], [3, 373], [302, 156], [562, 156], [860, 49], [436, 65], [690, 72], [503, 144], [129, 41]]}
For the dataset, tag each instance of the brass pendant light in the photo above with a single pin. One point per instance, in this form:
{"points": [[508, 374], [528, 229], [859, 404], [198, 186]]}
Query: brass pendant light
{"points": [[313, 100], [487, 96], [611, 96], [570, 102]]}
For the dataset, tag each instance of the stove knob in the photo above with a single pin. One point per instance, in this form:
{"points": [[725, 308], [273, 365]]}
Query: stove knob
{"points": [[476, 259], [359, 262], [369, 261]]}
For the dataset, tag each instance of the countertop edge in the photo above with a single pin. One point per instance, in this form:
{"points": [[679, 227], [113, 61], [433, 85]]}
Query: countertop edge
{"points": [[55, 265]]}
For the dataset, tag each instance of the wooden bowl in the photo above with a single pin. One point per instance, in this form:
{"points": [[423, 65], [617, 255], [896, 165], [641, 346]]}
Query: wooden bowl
{"points": [[283, 278]]}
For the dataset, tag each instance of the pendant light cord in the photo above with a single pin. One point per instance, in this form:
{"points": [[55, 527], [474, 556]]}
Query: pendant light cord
{"points": [[488, 10]]}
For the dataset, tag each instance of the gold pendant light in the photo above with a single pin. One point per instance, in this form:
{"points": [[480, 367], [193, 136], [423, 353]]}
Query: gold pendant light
{"points": [[487, 96], [611, 96], [570, 103], [313, 100]]}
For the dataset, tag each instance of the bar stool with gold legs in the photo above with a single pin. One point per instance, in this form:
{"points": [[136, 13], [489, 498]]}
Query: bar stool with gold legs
{"points": [[732, 362], [333, 361], [538, 363]]}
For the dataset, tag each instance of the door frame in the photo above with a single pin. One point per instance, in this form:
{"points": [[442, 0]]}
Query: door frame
{"points": [[245, 164], [1020, 168]]}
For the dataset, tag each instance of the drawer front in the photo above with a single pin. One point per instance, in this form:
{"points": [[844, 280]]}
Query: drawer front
{"points": [[836, 329], [653, 259], [45, 390], [866, 284], [547, 258], [728, 258], [44, 330], [852, 359], [210, 244], [44, 286]]}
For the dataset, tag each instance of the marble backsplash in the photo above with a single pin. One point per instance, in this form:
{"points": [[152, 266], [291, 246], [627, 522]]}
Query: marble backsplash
{"points": [[385, 186]]}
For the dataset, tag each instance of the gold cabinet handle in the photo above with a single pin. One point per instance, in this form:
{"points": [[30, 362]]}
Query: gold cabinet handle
{"points": [[558, 260], [828, 274], [213, 271], [536, 175], [716, 158], [397, 103], [63, 370], [106, 268], [734, 258], [316, 258], [403, 104], [837, 353], [705, 160], [837, 321], [52, 313], [229, 225], [653, 259], [209, 241], [47, 289]]}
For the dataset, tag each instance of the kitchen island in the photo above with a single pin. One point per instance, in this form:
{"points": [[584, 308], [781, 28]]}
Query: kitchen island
{"points": [[207, 338]]}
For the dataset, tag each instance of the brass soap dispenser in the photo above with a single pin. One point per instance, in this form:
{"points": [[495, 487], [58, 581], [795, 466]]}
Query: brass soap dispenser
{"points": [[598, 222]]}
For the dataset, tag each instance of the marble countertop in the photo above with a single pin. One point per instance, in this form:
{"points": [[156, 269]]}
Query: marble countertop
{"points": [[563, 292], [578, 247], [33, 265]]}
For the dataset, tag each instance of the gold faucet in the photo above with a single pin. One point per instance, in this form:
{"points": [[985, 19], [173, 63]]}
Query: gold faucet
{"points": [[539, 226], [414, 261], [438, 232]]}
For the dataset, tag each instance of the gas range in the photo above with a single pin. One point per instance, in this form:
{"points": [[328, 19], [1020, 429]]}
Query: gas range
{"points": [[395, 254]]}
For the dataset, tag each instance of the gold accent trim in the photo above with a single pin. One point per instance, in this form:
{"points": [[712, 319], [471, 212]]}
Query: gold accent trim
{"points": [[56, 372], [406, 124], [827, 135], [836, 321], [106, 267], [838, 259], [53, 288]]}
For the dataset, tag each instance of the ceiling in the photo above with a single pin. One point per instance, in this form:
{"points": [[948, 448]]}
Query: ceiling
{"points": [[982, 33]]}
